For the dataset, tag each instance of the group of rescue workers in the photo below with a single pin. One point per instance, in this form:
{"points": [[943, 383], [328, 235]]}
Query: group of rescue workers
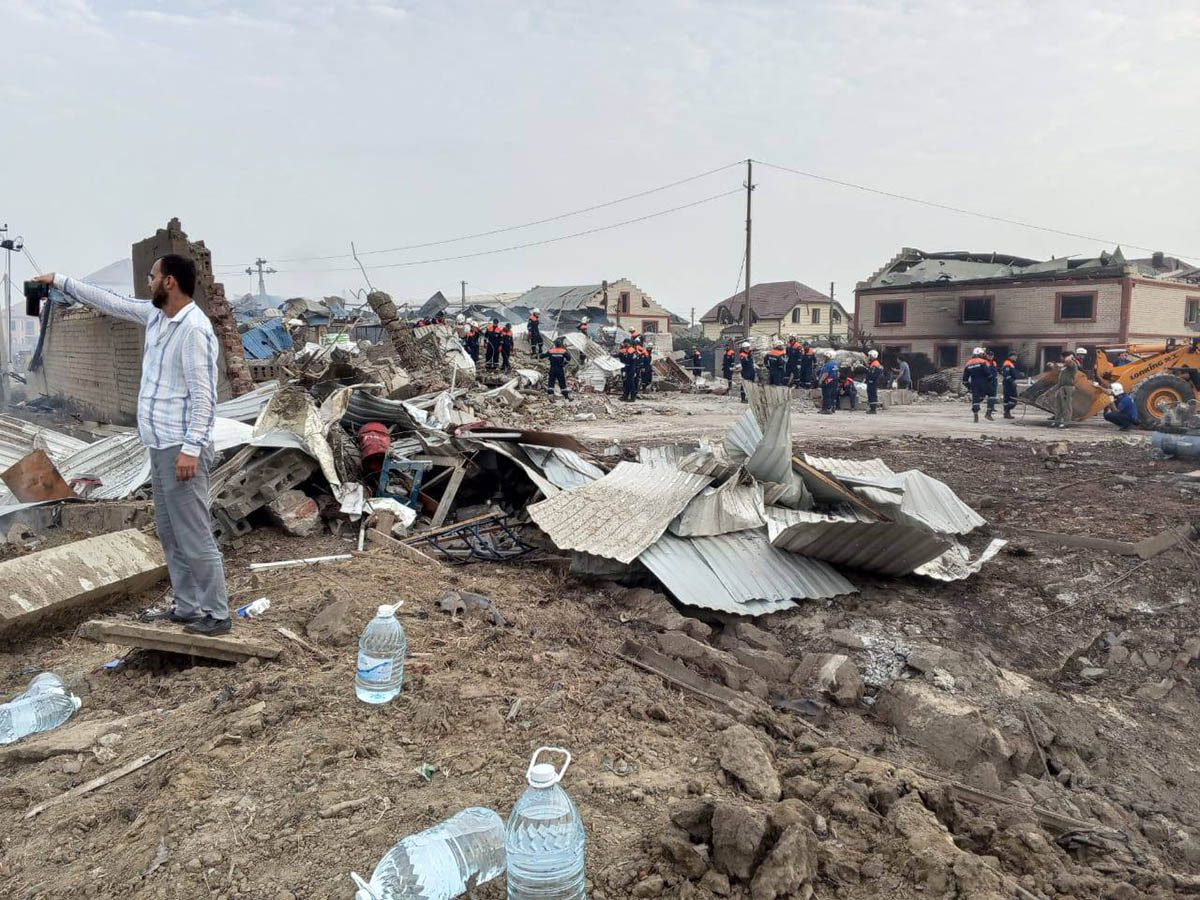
{"points": [[797, 364]]}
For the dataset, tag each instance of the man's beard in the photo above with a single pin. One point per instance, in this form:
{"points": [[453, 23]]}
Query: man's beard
{"points": [[160, 297]]}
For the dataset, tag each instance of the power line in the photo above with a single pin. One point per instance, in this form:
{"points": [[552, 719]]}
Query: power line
{"points": [[554, 240], [966, 212], [506, 228]]}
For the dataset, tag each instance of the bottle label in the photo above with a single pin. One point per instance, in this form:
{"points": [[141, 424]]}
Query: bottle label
{"points": [[374, 669]]}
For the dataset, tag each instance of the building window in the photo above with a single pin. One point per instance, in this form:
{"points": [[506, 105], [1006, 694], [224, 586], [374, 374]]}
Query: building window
{"points": [[1075, 307], [974, 310], [1192, 315], [624, 301], [796, 316], [650, 326], [645, 302], [890, 312], [816, 317], [1050, 354], [947, 356], [837, 316]]}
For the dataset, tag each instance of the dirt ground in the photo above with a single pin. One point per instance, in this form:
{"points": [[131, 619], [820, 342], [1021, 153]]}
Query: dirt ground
{"points": [[1095, 655]]}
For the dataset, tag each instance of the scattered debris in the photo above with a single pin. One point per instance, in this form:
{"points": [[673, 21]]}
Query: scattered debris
{"points": [[154, 637]]}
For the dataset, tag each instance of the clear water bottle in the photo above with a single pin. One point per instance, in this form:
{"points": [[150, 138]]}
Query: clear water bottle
{"points": [[441, 862], [44, 705], [544, 839], [381, 657]]}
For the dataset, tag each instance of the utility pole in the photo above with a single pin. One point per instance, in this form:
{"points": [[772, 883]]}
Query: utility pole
{"points": [[746, 313], [692, 321], [260, 262], [831, 313], [463, 307], [8, 244]]}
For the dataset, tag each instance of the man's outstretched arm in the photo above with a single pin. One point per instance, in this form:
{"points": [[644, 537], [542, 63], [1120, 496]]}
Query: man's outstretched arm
{"points": [[101, 299]]}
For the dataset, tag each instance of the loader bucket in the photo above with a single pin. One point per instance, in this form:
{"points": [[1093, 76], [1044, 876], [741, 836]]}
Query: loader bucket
{"points": [[1087, 401]]}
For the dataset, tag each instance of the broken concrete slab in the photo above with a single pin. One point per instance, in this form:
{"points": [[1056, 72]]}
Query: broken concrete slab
{"points": [[155, 637], [713, 662], [770, 665], [834, 674], [77, 574], [296, 513], [744, 757], [76, 737], [1144, 549]]}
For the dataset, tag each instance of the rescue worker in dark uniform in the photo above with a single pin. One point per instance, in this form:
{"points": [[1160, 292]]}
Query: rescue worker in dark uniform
{"points": [[994, 381], [727, 361], [829, 377], [775, 362], [875, 371], [506, 346], [491, 341], [1008, 373], [808, 364], [746, 357], [1122, 410], [534, 328], [470, 342], [630, 361], [697, 363], [849, 388], [559, 356], [791, 373], [582, 327], [979, 377], [647, 367]]}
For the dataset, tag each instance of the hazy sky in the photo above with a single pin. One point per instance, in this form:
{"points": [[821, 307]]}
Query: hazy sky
{"points": [[288, 129]]}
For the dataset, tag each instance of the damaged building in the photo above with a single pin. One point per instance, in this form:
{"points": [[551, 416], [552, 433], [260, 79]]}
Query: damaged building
{"points": [[944, 304], [779, 309]]}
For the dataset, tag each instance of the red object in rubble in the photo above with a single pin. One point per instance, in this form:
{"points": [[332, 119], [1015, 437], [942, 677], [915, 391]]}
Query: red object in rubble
{"points": [[373, 443]]}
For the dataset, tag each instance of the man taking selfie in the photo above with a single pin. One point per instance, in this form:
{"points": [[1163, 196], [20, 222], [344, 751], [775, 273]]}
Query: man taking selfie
{"points": [[176, 409]]}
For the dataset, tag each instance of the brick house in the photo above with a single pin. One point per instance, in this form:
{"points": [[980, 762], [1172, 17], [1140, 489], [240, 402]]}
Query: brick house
{"points": [[779, 310], [944, 304]]}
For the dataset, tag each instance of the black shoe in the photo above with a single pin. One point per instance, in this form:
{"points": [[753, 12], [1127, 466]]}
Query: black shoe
{"points": [[210, 626], [988, 415], [1008, 415], [168, 615], [976, 414], [871, 411]]}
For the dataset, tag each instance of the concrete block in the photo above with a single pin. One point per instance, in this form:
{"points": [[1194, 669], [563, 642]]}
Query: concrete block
{"points": [[77, 574]]}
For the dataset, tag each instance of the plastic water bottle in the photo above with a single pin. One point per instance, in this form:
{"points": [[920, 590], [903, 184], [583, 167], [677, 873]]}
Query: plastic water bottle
{"points": [[257, 608], [381, 657], [44, 705], [441, 862], [544, 839]]}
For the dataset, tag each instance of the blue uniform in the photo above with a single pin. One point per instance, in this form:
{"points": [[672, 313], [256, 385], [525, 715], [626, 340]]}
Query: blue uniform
{"points": [[874, 373], [829, 378], [979, 375], [559, 357], [632, 362], [1008, 373], [1126, 413]]}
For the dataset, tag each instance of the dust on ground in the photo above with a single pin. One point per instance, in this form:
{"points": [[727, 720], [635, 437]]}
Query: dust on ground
{"points": [[970, 670]]}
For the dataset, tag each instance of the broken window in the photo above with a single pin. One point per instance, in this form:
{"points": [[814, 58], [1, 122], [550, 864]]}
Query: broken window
{"points": [[890, 312], [650, 326], [1192, 315], [816, 317], [1076, 307], [976, 309], [947, 356]]}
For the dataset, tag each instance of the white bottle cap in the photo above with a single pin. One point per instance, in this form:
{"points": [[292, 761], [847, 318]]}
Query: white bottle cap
{"points": [[76, 701], [542, 775], [384, 611]]}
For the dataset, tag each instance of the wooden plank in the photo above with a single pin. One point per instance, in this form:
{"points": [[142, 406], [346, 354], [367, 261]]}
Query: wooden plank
{"points": [[1083, 541], [96, 783], [1151, 547], [155, 637], [448, 496], [434, 532], [409, 553], [810, 474]]}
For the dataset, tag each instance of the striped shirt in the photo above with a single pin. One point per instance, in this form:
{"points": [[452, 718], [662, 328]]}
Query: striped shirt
{"points": [[178, 395]]}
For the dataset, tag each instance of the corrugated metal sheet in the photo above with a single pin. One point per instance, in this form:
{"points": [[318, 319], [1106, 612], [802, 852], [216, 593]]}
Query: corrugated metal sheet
{"points": [[247, 407], [669, 455], [743, 438], [18, 438], [564, 468], [721, 510], [590, 350], [771, 459], [854, 540], [859, 468], [265, 340], [740, 573], [926, 501], [121, 462], [956, 563], [706, 461], [364, 408], [620, 515]]}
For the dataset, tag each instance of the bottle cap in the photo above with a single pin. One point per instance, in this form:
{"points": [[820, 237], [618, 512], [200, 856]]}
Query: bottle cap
{"points": [[542, 775], [364, 891], [76, 701]]}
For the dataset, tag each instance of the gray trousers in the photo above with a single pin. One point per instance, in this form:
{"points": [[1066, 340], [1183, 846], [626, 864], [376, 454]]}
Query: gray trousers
{"points": [[1064, 410], [181, 512]]}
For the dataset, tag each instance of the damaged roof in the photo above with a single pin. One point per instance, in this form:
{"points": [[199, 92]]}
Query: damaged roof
{"points": [[769, 300], [547, 298]]}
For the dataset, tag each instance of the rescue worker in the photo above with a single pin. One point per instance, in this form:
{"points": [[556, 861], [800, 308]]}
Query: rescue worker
{"points": [[995, 377], [635, 336], [470, 342], [849, 388], [439, 319], [491, 341], [630, 361], [727, 360], [697, 363], [506, 346], [828, 377], [808, 364], [980, 378], [1122, 411], [1008, 373], [875, 371], [559, 356], [775, 361], [791, 372], [746, 357], [1064, 409], [647, 367], [583, 326], [535, 332]]}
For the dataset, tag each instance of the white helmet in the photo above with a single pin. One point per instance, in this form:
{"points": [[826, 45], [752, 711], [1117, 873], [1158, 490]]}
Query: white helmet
{"points": [[745, 345], [978, 351], [536, 311], [779, 345], [460, 318], [1117, 389], [1081, 351], [874, 354], [584, 320]]}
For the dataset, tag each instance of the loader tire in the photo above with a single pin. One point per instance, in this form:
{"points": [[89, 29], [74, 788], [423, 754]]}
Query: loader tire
{"points": [[1153, 394]]}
